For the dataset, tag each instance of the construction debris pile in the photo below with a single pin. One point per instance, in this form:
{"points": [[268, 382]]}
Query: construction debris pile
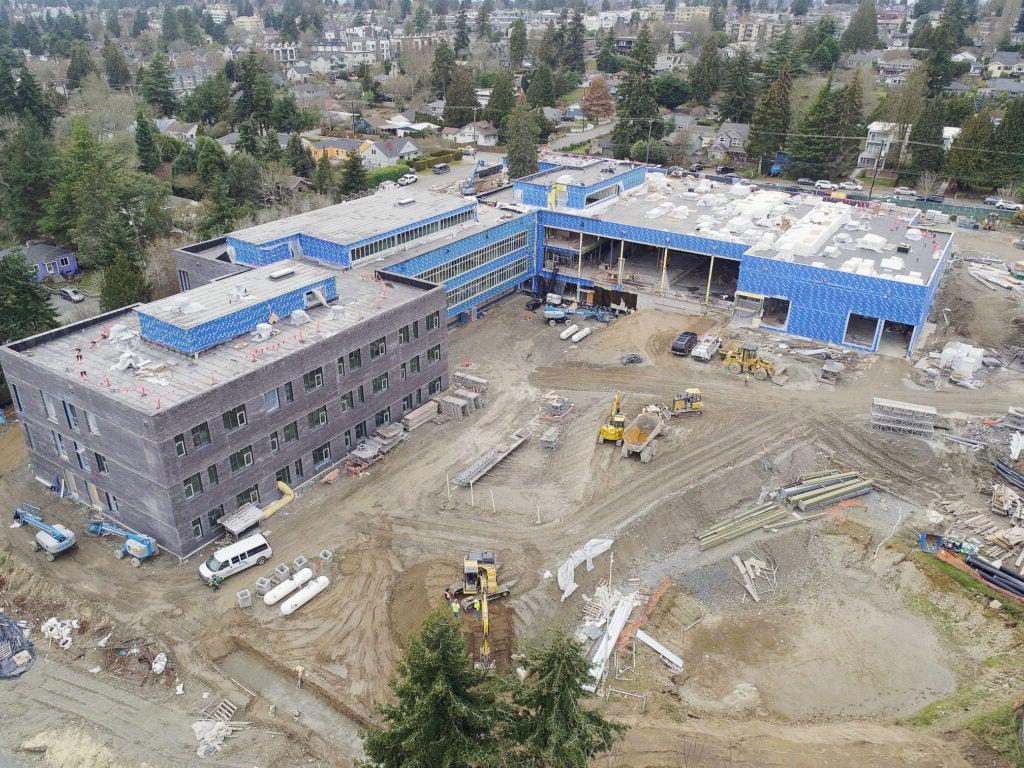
{"points": [[810, 492], [975, 527], [17, 654], [59, 631], [957, 362], [994, 274], [755, 569]]}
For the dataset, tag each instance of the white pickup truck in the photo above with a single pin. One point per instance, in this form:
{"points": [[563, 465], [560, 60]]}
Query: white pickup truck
{"points": [[706, 348]]}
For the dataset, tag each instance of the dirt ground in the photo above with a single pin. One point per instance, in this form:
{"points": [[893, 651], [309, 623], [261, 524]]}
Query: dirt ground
{"points": [[834, 668]]}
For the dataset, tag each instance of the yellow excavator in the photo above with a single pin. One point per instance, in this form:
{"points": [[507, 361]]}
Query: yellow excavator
{"points": [[479, 582], [691, 401], [611, 431], [746, 360]]}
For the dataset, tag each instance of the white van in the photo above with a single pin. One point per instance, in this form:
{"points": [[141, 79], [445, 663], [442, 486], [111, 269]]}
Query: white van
{"points": [[252, 550]]}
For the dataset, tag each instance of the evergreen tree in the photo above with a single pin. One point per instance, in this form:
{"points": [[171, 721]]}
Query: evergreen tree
{"points": [[549, 51], [248, 138], [25, 308], [862, 32], [926, 152], [146, 147], [81, 65], [443, 713], [461, 105], [157, 85], [671, 90], [706, 73], [848, 124], [574, 44], [26, 173], [270, 150], [517, 43], [115, 65], [185, 163], [638, 117], [598, 103], [770, 121], [210, 102], [113, 25], [124, 279], [607, 59], [140, 22], [541, 92], [553, 727], [255, 92], [968, 162], [820, 44], [211, 161], [461, 43], [738, 90], [353, 176], [421, 21], [298, 157], [501, 102], [799, 7], [324, 178], [1009, 140], [483, 21], [442, 69], [221, 214], [782, 53], [242, 180], [30, 101], [169, 25], [522, 141], [811, 148], [942, 44]]}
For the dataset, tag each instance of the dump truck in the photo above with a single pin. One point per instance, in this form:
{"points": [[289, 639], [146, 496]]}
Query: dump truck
{"points": [[639, 436]]}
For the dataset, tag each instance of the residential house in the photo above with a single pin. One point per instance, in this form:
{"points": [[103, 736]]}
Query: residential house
{"points": [[309, 93], [573, 112], [324, 65], [248, 23], [670, 62], [949, 134], [380, 154], [48, 260], [187, 79], [178, 129], [860, 59], [336, 149], [880, 139], [482, 133], [284, 53], [757, 30], [1002, 85], [965, 55], [1006, 64], [435, 108], [730, 139], [687, 13], [403, 124], [218, 13], [552, 115], [624, 44], [298, 72], [895, 71]]}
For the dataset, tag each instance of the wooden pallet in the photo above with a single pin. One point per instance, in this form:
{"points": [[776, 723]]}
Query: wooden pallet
{"points": [[222, 710]]}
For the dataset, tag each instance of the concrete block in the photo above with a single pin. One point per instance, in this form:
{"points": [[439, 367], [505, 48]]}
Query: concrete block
{"points": [[326, 556], [299, 563], [263, 585], [282, 572], [245, 599]]}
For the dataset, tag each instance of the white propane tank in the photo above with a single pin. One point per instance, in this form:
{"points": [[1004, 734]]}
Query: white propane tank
{"points": [[287, 586], [304, 595], [581, 335], [569, 331]]}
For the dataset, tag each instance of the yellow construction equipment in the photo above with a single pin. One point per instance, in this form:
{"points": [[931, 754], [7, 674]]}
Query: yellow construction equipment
{"points": [[746, 360], [611, 431], [691, 401], [479, 576]]}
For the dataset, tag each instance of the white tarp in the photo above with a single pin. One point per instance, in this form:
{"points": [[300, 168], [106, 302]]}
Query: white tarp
{"points": [[616, 623], [566, 571]]}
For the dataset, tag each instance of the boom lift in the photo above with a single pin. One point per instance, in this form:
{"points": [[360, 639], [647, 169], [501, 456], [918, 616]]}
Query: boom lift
{"points": [[53, 539], [611, 431], [136, 545]]}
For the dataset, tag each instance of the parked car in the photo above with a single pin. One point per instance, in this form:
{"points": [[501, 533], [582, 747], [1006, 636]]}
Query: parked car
{"points": [[696, 168], [936, 198], [684, 343], [229, 560], [1009, 205], [992, 200], [407, 179], [805, 182], [440, 168], [71, 294], [825, 184], [852, 186], [725, 169], [706, 348], [676, 171], [905, 191]]}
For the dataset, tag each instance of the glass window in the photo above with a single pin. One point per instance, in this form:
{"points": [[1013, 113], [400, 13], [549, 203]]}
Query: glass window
{"points": [[321, 455], [234, 418], [201, 435], [289, 393], [403, 334], [314, 379], [435, 386], [433, 321], [248, 496], [284, 475], [341, 366], [383, 417], [348, 438], [79, 454], [378, 348], [90, 419], [214, 515], [414, 365], [241, 459], [360, 398], [101, 463], [407, 403], [415, 329], [318, 417], [111, 501], [272, 400], [58, 444], [211, 475], [361, 431], [433, 354], [346, 402], [380, 384], [72, 416], [193, 485], [179, 444], [291, 432], [51, 412], [275, 442], [355, 360], [15, 395], [197, 527], [403, 371], [298, 468]]}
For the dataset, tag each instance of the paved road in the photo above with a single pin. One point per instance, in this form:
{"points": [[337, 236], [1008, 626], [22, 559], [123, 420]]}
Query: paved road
{"points": [[574, 138]]}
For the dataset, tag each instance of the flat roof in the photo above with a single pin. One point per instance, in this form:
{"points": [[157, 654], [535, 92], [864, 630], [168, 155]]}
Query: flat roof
{"points": [[358, 219], [581, 176], [217, 299], [165, 378]]}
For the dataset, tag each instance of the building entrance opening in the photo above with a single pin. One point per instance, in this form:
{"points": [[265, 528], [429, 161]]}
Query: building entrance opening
{"points": [[775, 313], [895, 339], [688, 274], [860, 330]]}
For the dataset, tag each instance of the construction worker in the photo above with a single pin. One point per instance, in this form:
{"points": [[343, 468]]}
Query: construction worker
{"points": [[455, 609], [476, 607], [215, 581], [273, 710], [300, 671]]}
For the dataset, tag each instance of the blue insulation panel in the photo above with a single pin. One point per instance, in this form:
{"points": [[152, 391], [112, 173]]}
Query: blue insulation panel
{"points": [[419, 264], [229, 326]]}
